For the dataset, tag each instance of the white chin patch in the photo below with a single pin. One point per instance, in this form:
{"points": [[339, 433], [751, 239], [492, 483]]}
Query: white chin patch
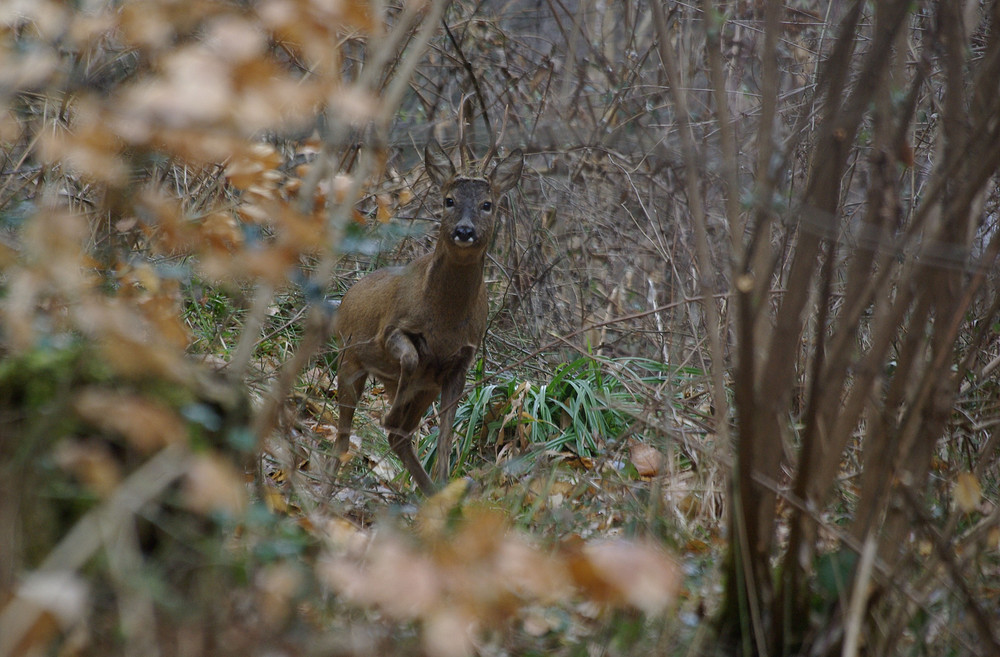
{"points": [[464, 243]]}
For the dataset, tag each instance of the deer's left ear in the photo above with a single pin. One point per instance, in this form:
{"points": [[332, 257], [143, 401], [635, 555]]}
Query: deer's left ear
{"points": [[506, 174]]}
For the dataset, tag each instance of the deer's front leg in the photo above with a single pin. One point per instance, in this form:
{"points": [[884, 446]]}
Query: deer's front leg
{"points": [[401, 348], [451, 392], [408, 405]]}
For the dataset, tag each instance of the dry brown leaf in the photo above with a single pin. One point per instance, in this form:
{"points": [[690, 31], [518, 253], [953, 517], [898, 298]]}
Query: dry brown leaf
{"points": [[29, 69], [968, 492], [147, 425], [88, 147], [277, 586], [648, 460], [50, 602], [214, 484], [480, 573], [383, 212], [433, 516], [529, 571], [195, 89], [696, 546], [250, 167], [397, 578], [92, 463], [274, 500], [220, 231], [342, 534], [449, 632], [636, 573], [235, 38], [163, 311]]}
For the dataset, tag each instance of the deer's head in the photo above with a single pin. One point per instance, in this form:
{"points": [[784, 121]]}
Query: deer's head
{"points": [[469, 198]]}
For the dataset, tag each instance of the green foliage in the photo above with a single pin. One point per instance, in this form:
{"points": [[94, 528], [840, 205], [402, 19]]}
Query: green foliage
{"points": [[213, 318], [584, 406], [34, 387], [834, 575]]}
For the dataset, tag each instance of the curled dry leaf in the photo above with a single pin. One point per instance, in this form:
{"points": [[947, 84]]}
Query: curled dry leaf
{"points": [[147, 425], [648, 460]]}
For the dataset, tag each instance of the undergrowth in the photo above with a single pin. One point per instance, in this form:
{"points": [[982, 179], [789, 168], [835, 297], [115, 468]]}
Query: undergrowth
{"points": [[187, 187]]}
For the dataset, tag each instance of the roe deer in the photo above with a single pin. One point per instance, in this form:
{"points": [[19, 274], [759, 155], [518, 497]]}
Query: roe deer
{"points": [[416, 328]]}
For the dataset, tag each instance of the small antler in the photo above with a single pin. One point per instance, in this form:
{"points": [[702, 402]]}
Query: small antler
{"points": [[463, 149], [496, 143]]}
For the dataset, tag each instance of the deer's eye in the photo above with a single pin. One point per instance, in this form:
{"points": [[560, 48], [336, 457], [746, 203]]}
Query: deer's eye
{"points": [[449, 202], [487, 206]]}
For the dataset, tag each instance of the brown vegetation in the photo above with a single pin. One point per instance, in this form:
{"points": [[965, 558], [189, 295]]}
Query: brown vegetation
{"points": [[743, 303]]}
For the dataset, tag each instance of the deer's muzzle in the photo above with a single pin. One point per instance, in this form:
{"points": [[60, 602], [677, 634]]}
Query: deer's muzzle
{"points": [[464, 235]]}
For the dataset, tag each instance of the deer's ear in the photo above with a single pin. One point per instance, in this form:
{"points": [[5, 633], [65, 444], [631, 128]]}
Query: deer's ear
{"points": [[437, 163], [506, 174]]}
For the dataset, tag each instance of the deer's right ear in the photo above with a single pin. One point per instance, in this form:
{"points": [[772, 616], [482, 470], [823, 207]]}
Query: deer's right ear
{"points": [[438, 164]]}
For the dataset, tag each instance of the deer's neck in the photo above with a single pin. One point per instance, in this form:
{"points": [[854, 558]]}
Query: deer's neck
{"points": [[454, 285]]}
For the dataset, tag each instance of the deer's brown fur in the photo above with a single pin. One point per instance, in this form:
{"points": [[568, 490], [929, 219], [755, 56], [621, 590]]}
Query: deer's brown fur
{"points": [[416, 328]]}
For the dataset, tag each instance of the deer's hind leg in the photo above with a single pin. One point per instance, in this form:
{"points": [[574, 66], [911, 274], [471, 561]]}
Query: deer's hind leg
{"points": [[451, 393], [351, 379]]}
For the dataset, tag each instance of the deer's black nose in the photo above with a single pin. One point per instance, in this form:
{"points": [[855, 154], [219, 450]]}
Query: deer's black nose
{"points": [[464, 234]]}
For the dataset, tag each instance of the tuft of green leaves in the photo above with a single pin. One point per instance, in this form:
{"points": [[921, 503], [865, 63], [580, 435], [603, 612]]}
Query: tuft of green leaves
{"points": [[584, 406]]}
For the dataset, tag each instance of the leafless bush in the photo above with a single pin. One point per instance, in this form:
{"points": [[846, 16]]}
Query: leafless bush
{"points": [[796, 202]]}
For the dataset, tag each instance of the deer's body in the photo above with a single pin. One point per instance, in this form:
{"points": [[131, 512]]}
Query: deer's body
{"points": [[416, 328]]}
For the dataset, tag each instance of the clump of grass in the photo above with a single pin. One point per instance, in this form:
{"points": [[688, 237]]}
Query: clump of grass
{"points": [[584, 409]]}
